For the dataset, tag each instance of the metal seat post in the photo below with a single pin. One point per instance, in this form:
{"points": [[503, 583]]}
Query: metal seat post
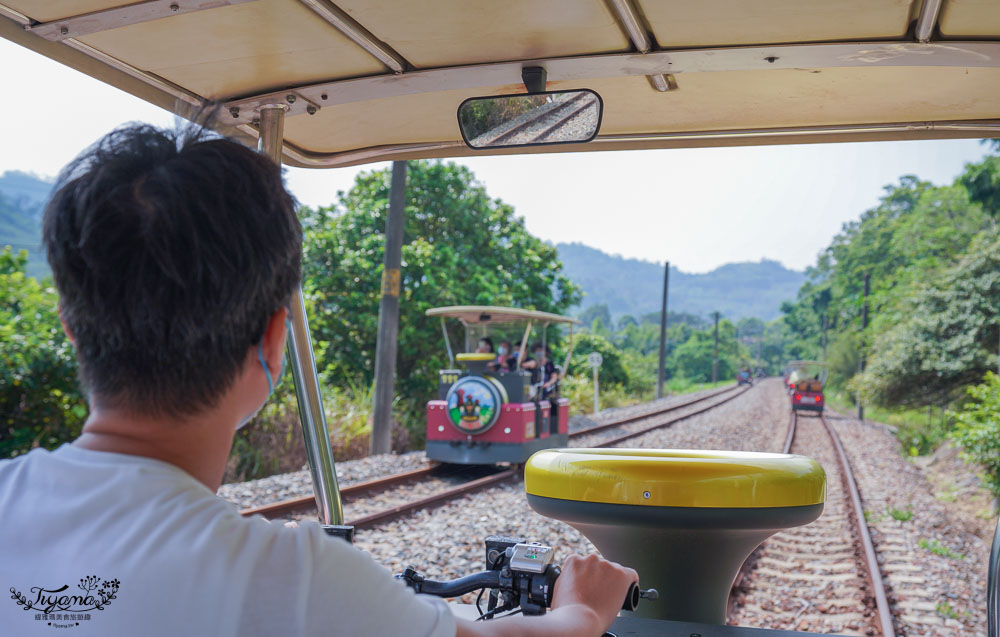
{"points": [[303, 365], [993, 586]]}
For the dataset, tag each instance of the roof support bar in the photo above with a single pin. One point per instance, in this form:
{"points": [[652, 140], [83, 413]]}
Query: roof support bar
{"points": [[979, 54], [630, 19], [78, 25], [679, 139], [300, 357], [358, 34], [633, 25], [927, 20]]}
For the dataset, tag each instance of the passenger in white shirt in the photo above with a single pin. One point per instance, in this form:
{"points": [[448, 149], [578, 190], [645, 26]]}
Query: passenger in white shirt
{"points": [[175, 259]]}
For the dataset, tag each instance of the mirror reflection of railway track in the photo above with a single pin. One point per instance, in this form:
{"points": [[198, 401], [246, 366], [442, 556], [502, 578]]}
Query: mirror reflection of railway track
{"points": [[401, 494], [824, 576]]}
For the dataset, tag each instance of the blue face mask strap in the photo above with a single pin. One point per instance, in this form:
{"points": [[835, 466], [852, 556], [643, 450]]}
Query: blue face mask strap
{"points": [[263, 363]]}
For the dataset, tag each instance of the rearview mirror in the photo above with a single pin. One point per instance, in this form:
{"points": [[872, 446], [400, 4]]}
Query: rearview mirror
{"points": [[504, 121]]}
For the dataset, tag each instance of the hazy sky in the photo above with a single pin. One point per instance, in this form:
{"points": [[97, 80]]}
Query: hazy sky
{"points": [[699, 208]]}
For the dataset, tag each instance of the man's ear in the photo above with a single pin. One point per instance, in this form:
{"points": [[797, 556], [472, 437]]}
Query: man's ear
{"points": [[273, 343], [69, 333]]}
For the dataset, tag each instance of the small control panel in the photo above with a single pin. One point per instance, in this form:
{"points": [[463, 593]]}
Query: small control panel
{"points": [[531, 558]]}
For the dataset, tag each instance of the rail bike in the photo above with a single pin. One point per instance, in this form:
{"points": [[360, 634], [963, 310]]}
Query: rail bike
{"points": [[495, 409], [805, 380], [335, 83]]}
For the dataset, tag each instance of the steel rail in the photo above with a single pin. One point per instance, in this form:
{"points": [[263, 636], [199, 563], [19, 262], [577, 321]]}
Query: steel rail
{"points": [[431, 501], [874, 571], [442, 497], [649, 414], [790, 433], [562, 121], [535, 119], [644, 430], [292, 505], [751, 561], [352, 491]]}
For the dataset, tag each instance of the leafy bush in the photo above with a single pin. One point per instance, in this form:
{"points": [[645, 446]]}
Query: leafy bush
{"points": [[612, 370], [272, 442], [41, 404], [580, 392], [977, 429]]}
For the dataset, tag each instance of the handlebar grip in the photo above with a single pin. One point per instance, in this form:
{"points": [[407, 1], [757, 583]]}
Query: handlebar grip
{"points": [[631, 597]]}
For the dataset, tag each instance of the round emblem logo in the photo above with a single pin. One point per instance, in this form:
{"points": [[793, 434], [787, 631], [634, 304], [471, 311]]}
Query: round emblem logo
{"points": [[474, 404]]}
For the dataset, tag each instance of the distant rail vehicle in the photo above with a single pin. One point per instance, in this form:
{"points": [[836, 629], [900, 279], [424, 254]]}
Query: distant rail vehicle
{"points": [[805, 381], [496, 407]]}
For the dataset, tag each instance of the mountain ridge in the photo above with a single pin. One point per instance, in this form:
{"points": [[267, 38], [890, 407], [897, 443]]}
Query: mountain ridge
{"points": [[626, 286], [635, 287]]}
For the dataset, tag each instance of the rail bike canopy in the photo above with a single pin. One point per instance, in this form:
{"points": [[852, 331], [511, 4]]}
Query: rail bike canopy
{"points": [[478, 317], [364, 81], [487, 314], [808, 369]]}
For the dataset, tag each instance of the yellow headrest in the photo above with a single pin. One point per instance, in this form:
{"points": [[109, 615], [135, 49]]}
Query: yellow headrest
{"points": [[676, 477], [475, 356]]}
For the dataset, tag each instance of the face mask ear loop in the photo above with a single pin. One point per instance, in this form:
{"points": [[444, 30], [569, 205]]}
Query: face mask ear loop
{"points": [[263, 363]]}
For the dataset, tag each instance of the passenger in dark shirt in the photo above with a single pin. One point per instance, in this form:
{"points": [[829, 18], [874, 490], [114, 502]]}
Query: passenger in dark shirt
{"points": [[506, 361], [543, 370]]}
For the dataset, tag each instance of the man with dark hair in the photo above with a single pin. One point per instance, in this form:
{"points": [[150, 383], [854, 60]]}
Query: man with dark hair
{"points": [[175, 260]]}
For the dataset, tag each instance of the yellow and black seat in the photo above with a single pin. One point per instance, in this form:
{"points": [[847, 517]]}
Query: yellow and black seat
{"points": [[685, 520]]}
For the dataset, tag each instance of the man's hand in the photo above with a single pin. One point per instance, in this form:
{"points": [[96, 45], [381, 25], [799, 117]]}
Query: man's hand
{"points": [[589, 593], [595, 583]]}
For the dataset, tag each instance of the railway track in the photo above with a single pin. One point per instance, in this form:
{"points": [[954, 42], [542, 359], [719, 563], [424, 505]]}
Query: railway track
{"points": [[401, 502], [823, 577], [559, 114], [652, 421]]}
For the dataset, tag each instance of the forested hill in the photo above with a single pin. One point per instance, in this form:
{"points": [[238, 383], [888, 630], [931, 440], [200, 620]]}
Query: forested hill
{"points": [[627, 286], [631, 286], [21, 199]]}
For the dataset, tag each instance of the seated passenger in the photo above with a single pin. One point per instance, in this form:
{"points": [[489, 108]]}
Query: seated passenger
{"points": [[176, 262], [543, 376], [505, 360], [550, 375], [485, 345]]}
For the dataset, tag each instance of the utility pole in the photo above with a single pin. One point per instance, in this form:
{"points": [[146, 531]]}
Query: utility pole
{"points": [[388, 314], [825, 323], [715, 358], [760, 346], [864, 328], [661, 370]]}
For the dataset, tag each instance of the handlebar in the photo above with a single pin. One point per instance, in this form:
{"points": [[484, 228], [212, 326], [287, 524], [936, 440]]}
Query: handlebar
{"points": [[518, 574], [491, 579], [455, 587]]}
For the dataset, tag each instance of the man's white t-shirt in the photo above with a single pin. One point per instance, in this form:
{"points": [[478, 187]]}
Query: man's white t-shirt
{"points": [[163, 556]]}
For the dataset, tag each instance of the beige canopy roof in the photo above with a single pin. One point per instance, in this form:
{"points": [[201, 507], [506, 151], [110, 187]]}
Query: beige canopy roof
{"points": [[485, 314], [368, 80]]}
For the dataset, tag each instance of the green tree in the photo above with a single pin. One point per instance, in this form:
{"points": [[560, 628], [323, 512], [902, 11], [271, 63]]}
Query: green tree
{"points": [[977, 428], [612, 369], [948, 338], [693, 359], [40, 402], [982, 180], [596, 313], [460, 247]]}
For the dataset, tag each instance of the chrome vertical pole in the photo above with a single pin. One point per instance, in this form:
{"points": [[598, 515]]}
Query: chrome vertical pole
{"points": [[303, 366], [993, 587]]}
